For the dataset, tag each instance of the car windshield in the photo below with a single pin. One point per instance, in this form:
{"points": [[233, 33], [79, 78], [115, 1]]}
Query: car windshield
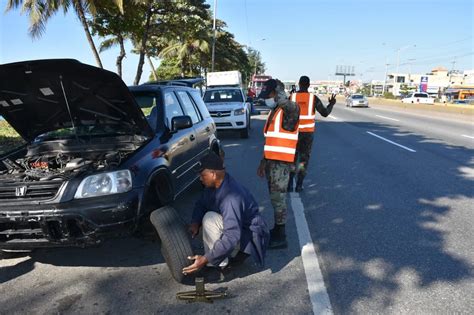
{"points": [[224, 95], [357, 96]]}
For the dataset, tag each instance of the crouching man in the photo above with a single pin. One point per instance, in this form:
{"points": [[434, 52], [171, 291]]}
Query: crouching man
{"points": [[229, 217]]}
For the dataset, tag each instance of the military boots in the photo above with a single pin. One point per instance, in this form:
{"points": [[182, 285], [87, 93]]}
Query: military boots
{"points": [[278, 237]]}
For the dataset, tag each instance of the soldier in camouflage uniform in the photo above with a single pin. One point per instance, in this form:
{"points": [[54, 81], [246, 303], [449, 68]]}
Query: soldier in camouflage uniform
{"points": [[277, 171], [305, 138]]}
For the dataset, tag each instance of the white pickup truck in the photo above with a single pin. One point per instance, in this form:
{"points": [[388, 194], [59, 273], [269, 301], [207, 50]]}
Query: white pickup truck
{"points": [[418, 98], [227, 103]]}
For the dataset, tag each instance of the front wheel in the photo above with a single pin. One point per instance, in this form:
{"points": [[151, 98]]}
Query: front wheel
{"points": [[244, 133], [175, 241]]}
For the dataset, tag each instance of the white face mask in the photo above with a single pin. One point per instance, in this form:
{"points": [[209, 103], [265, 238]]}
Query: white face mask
{"points": [[270, 102]]}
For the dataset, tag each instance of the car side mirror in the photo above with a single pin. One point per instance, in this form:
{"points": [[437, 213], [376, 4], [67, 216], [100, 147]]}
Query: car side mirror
{"points": [[180, 122]]}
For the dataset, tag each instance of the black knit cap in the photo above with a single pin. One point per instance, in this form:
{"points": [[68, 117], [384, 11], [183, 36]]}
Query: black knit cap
{"points": [[268, 87], [210, 162], [304, 80]]}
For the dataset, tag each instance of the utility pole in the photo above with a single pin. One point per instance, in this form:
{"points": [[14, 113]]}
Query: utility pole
{"points": [[385, 77], [214, 37]]}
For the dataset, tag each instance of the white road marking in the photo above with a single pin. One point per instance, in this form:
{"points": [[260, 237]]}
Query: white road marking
{"points": [[333, 117], [387, 118], [470, 137], [316, 288], [348, 108], [389, 141]]}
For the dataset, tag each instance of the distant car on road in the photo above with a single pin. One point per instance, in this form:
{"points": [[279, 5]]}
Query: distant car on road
{"points": [[357, 100], [418, 98]]}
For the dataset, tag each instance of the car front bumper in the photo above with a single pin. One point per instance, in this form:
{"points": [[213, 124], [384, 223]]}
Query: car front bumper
{"points": [[80, 222], [235, 122]]}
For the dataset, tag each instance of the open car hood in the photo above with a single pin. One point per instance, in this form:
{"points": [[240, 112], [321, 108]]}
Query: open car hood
{"points": [[45, 95]]}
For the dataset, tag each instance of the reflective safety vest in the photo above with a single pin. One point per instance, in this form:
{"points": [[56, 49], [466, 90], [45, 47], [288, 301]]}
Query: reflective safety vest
{"points": [[280, 144], [305, 101]]}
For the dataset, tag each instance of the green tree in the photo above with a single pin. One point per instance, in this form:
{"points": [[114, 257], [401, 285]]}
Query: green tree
{"points": [[40, 11], [115, 27]]}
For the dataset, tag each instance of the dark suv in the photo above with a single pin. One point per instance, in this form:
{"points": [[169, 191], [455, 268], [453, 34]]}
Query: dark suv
{"points": [[93, 166]]}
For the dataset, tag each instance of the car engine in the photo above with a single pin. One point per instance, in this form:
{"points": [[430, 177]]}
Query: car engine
{"points": [[58, 167]]}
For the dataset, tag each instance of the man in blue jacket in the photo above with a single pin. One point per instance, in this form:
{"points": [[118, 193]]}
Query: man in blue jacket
{"points": [[229, 217]]}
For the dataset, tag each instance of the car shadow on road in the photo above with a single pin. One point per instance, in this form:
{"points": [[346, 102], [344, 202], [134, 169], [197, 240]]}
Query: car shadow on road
{"points": [[378, 239]]}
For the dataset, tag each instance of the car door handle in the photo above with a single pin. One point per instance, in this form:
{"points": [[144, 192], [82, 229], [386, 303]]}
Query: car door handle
{"points": [[192, 137]]}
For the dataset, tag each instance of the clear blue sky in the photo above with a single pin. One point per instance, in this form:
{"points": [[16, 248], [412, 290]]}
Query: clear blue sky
{"points": [[301, 36]]}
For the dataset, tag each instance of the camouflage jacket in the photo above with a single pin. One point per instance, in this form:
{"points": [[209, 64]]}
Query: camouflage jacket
{"points": [[291, 110]]}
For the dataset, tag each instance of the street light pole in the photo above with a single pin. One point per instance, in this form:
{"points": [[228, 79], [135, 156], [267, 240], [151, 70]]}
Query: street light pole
{"points": [[214, 37], [385, 77]]}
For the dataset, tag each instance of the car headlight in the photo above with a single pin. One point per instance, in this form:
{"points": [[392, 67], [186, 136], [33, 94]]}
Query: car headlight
{"points": [[104, 184], [239, 112]]}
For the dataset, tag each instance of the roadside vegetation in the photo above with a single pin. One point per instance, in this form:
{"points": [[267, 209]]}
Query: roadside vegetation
{"points": [[9, 139], [177, 33]]}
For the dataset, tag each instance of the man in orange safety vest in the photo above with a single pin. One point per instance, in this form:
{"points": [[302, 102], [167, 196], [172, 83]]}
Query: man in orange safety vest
{"points": [[309, 104]]}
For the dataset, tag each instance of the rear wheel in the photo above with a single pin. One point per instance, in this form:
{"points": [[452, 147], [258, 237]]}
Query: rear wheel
{"points": [[175, 242]]}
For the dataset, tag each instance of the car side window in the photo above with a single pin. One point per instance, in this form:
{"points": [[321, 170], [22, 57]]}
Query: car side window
{"points": [[189, 107], [196, 96], [172, 107]]}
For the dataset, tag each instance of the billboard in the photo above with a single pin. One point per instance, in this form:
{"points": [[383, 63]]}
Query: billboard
{"points": [[423, 83]]}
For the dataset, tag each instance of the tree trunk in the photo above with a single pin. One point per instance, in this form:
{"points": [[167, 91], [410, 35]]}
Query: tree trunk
{"points": [[141, 60], [120, 56], [152, 67], [82, 18]]}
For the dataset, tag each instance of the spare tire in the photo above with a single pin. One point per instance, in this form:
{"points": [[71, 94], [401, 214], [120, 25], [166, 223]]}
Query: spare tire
{"points": [[175, 241]]}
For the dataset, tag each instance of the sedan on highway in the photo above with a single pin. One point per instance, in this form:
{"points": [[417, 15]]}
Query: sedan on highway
{"points": [[357, 100]]}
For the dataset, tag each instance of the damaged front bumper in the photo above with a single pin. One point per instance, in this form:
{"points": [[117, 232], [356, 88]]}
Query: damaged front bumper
{"points": [[76, 223]]}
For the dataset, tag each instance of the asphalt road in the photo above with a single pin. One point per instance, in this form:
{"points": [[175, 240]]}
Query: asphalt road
{"points": [[391, 223]]}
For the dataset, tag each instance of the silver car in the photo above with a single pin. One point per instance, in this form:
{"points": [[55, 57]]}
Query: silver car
{"points": [[357, 100]]}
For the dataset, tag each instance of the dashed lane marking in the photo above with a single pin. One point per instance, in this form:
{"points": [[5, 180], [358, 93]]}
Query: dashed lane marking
{"points": [[470, 137], [387, 118], [314, 278], [390, 141]]}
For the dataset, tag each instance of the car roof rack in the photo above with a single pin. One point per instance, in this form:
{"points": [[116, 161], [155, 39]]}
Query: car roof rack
{"points": [[189, 82]]}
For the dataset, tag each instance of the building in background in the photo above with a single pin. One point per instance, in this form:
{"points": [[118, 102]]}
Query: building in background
{"points": [[438, 80]]}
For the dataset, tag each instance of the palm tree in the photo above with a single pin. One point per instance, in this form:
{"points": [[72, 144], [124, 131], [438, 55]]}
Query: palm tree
{"points": [[186, 51], [40, 11]]}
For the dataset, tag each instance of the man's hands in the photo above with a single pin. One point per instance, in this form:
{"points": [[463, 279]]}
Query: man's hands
{"points": [[261, 169], [194, 229], [199, 262], [332, 99]]}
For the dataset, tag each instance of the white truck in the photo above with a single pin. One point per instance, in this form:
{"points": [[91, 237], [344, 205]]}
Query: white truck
{"points": [[227, 103], [418, 98]]}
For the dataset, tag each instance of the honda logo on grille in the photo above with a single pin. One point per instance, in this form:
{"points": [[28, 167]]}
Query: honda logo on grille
{"points": [[20, 191]]}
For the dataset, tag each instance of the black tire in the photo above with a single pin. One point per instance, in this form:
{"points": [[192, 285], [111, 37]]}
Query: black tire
{"points": [[175, 241], [12, 253], [244, 133]]}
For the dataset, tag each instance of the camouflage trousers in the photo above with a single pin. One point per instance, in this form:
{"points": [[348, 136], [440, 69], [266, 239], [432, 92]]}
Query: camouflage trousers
{"points": [[303, 154], [277, 173]]}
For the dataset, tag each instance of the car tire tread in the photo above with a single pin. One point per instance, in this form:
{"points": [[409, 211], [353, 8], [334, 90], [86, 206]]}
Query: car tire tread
{"points": [[175, 241]]}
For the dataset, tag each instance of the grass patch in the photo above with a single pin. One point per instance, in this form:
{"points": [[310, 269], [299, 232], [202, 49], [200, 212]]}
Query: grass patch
{"points": [[9, 138]]}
